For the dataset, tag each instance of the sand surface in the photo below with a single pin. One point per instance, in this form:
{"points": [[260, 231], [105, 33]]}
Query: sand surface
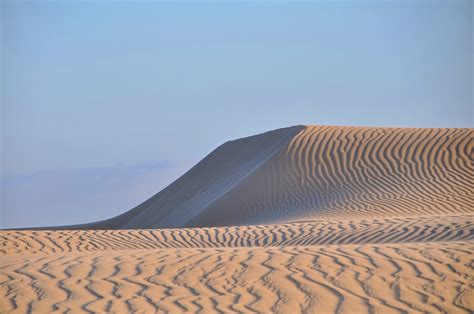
{"points": [[303, 219]]}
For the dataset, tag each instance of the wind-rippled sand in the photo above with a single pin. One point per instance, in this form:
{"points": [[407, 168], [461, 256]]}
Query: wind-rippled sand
{"points": [[304, 219]]}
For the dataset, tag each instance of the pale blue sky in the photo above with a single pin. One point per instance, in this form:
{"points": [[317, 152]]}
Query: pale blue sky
{"points": [[88, 86]]}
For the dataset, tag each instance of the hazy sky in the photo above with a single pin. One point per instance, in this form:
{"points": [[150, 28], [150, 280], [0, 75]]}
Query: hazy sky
{"points": [[88, 86]]}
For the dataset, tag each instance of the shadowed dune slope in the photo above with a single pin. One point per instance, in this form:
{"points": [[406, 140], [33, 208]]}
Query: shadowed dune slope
{"points": [[315, 172]]}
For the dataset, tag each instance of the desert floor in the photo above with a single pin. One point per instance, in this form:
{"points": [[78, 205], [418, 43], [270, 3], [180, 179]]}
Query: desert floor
{"points": [[357, 266]]}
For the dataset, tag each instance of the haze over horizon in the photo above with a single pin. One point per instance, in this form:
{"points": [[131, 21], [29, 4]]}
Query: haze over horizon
{"points": [[109, 102]]}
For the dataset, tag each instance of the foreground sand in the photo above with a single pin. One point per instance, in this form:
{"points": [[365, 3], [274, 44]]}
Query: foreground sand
{"points": [[372, 265], [303, 219]]}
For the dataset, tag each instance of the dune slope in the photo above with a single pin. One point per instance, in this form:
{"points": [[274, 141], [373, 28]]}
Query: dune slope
{"points": [[311, 172]]}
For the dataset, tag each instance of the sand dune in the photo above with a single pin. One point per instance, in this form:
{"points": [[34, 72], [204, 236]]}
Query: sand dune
{"points": [[303, 219], [314, 172]]}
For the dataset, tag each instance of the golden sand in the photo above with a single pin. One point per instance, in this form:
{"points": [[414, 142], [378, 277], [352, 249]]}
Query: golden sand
{"points": [[304, 219]]}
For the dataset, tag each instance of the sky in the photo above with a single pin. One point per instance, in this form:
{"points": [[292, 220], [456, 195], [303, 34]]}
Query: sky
{"points": [[103, 103]]}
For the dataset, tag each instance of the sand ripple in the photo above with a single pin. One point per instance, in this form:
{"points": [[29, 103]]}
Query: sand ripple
{"points": [[388, 278]]}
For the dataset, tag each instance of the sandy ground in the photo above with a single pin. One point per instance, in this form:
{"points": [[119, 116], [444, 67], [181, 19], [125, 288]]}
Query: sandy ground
{"points": [[410, 265], [304, 219]]}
